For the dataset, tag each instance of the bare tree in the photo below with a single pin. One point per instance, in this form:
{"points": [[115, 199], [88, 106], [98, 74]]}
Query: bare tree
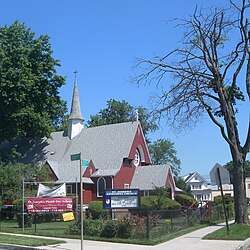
{"points": [[211, 75]]}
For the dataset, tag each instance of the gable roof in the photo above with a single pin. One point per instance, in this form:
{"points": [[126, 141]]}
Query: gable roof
{"points": [[105, 145], [186, 177], [149, 177], [190, 177]]}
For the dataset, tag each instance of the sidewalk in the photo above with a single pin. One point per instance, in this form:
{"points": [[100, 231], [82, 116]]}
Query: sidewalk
{"points": [[191, 241]]}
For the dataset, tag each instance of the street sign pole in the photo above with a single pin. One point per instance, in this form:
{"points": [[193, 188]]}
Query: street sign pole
{"points": [[223, 201], [81, 203], [77, 157], [23, 204]]}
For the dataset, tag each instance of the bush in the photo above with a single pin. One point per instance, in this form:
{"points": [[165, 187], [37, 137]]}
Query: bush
{"points": [[186, 200], [153, 203], [28, 219], [38, 218], [75, 228], [48, 217], [6, 212], [110, 229], [90, 227], [124, 229], [96, 210], [227, 199], [132, 226]]}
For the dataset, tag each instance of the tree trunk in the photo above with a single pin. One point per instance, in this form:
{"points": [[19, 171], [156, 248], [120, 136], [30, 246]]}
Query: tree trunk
{"points": [[240, 200]]}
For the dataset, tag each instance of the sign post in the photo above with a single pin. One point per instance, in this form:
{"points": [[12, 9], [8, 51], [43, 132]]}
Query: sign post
{"points": [[23, 203], [220, 175], [222, 197], [77, 157]]}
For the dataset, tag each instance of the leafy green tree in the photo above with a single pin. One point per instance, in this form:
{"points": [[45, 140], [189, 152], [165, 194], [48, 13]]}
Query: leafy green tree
{"points": [[64, 124], [229, 167], [11, 179], [180, 183], [161, 194], [29, 96], [162, 151], [210, 72], [122, 111]]}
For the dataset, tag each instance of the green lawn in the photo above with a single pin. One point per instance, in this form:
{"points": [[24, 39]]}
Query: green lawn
{"points": [[59, 230], [236, 232], [52, 229], [27, 241]]}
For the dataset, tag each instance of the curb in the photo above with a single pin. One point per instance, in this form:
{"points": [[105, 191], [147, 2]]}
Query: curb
{"points": [[15, 247], [245, 245]]}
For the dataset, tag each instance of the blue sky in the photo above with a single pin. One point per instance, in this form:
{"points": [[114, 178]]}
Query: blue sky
{"points": [[101, 39]]}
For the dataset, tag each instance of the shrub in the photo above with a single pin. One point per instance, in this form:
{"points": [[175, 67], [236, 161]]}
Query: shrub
{"points": [[124, 231], [75, 228], [90, 227], [7, 212], [48, 217], [132, 226], [218, 200], [38, 218], [28, 219], [110, 229], [152, 203], [186, 200], [153, 220], [96, 210]]}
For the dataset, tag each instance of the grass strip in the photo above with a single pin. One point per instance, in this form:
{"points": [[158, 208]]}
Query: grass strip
{"points": [[236, 232], [59, 230], [27, 241], [151, 242]]}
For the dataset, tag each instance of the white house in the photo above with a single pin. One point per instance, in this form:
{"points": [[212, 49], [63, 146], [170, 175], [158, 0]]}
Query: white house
{"points": [[200, 188], [206, 190]]}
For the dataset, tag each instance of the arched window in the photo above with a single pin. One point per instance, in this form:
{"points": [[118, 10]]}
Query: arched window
{"points": [[101, 185], [137, 158]]}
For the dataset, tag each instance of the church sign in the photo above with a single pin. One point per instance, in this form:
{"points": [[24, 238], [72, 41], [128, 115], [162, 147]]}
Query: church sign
{"points": [[121, 198], [48, 205]]}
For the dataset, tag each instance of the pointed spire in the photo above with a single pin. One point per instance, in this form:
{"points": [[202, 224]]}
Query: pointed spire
{"points": [[75, 106], [75, 120]]}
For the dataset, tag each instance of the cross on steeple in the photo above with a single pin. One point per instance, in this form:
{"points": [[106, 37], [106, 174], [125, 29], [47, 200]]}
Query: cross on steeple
{"points": [[137, 114], [75, 72]]}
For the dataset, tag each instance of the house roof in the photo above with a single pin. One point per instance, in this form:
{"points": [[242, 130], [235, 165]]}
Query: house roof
{"points": [[149, 177], [186, 177], [105, 146], [190, 178]]}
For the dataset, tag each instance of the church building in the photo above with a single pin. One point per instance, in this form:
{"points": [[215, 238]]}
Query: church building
{"points": [[117, 157]]}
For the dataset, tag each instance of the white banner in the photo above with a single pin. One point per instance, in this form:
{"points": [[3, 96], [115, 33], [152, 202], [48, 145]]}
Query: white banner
{"points": [[57, 191]]}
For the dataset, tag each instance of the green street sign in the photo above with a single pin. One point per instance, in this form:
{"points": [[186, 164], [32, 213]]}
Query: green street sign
{"points": [[75, 157], [85, 163]]}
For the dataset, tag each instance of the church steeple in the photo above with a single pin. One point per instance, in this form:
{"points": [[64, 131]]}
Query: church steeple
{"points": [[75, 120]]}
